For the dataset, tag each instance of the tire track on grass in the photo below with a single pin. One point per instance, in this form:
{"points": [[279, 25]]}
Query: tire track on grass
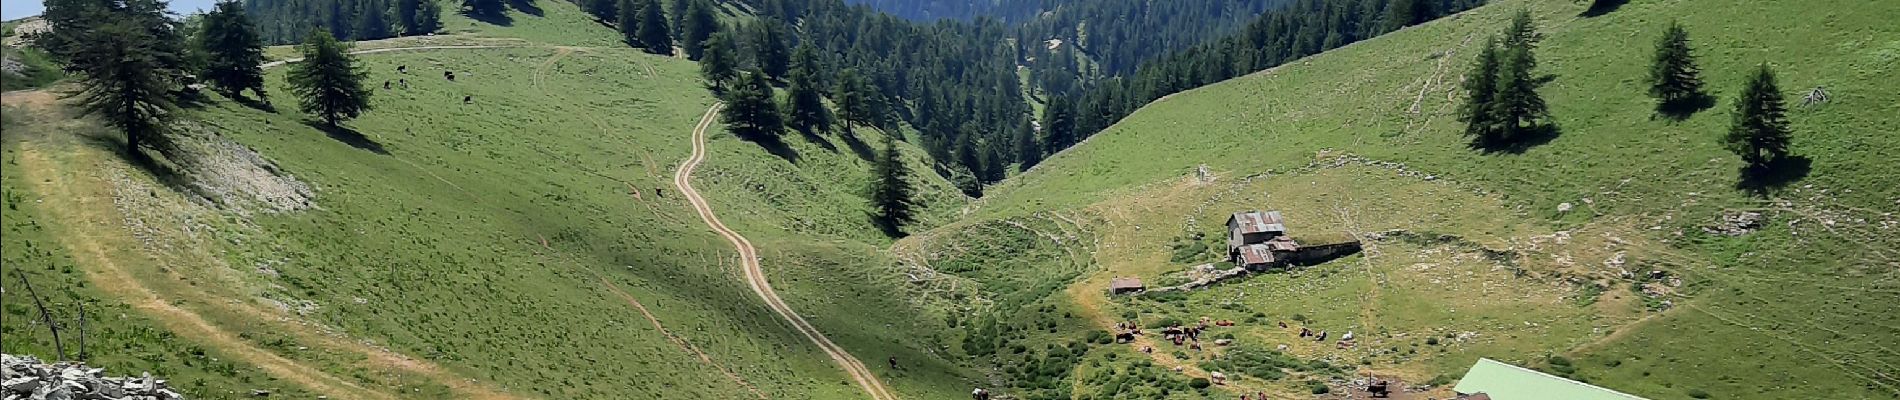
{"points": [[755, 274]]}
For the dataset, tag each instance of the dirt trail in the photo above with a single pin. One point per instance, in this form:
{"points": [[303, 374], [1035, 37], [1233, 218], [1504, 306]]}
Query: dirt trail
{"points": [[677, 341], [88, 212], [755, 275]]}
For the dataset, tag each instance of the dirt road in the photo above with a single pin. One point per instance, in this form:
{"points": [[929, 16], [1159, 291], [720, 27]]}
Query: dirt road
{"points": [[755, 275], [372, 51]]}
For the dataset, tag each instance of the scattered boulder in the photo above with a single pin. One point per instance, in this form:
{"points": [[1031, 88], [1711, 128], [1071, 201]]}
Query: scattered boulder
{"points": [[1736, 223], [29, 378]]}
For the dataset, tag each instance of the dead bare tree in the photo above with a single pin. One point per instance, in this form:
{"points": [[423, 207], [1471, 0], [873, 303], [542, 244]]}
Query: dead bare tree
{"points": [[58, 348]]}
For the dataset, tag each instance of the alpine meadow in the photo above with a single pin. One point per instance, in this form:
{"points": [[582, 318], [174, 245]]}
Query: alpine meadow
{"points": [[1006, 199]]}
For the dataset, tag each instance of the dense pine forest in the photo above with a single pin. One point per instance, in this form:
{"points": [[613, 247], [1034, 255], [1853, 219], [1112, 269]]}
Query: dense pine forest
{"points": [[289, 21]]}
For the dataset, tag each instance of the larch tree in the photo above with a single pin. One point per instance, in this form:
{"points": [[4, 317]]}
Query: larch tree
{"points": [[653, 29], [892, 191], [328, 82], [1518, 108], [721, 62], [700, 24], [234, 51], [1481, 86], [1759, 133], [805, 102], [853, 102], [773, 55], [751, 113], [1673, 75]]}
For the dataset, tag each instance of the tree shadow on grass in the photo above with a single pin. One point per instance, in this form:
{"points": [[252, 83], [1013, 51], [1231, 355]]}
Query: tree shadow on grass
{"points": [[857, 145], [1764, 180], [526, 7], [1536, 136], [349, 136], [255, 104], [496, 17], [889, 229], [1600, 7], [774, 145], [818, 139], [1682, 109]]}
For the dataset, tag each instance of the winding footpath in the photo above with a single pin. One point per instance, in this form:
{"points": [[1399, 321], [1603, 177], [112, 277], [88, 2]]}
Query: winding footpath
{"points": [[755, 275]]}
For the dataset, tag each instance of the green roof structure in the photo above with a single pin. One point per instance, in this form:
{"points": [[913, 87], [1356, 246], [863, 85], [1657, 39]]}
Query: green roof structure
{"points": [[1503, 381]]}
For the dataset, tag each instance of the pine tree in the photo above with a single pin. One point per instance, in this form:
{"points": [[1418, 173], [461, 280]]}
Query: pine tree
{"points": [[406, 22], [1058, 125], [1674, 77], [628, 22], [1517, 108], [372, 21], [774, 57], [1403, 13], [751, 112], [806, 103], [234, 51], [1481, 86], [124, 79], [1028, 154], [700, 25], [1523, 32], [721, 63], [428, 17], [1760, 133], [328, 82], [676, 15], [653, 31], [852, 98], [891, 193], [603, 10]]}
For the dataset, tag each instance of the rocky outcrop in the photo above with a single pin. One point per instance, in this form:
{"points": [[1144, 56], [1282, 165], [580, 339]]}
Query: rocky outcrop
{"points": [[26, 377]]}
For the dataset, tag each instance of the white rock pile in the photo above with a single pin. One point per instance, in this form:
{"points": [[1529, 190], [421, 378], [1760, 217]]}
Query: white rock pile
{"points": [[26, 377]]}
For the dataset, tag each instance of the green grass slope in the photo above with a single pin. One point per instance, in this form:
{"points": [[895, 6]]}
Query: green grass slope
{"points": [[1364, 140], [502, 239]]}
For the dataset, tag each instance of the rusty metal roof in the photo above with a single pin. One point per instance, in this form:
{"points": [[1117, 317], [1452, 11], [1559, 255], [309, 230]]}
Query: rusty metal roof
{"points": [[1124, 283], [1283, 243], [1258, 222], [1255, 254]]}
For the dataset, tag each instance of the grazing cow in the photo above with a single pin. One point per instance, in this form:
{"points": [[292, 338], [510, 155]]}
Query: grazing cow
{"points": [[980, 394], [1219, 378], [893, 362], [402, 69], [468, 99], [385, 84], [449, 74], [403, 82]]}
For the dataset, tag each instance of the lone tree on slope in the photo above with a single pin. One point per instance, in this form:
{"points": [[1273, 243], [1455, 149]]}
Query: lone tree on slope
{"points": [[750, 112], [1673, 76], [234, 50], [1481, 85], [1760, 131], [328, 82], [125, 80], [891, 192]]}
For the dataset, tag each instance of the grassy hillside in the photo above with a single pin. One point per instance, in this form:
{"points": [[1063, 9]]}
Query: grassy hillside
{"points": [[1469, 256], [526, 244]]}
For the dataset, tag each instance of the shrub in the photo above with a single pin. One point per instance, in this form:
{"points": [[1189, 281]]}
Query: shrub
{"points": [[1319, 387], [1199, 383], [1698, 393]]}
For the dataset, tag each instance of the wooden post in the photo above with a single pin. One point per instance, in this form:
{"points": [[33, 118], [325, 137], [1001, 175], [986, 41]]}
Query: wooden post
{"points": [[58, 348], [82, 331]]}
